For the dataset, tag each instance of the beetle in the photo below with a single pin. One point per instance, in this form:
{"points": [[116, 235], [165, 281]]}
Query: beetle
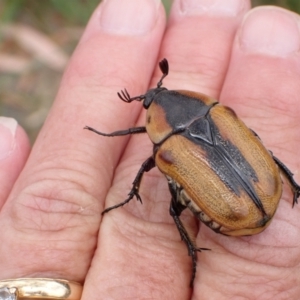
{"points": [[214, 164]]}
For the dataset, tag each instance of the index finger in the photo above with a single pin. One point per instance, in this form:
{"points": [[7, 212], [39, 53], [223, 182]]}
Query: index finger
{"points": [[53, 213]]}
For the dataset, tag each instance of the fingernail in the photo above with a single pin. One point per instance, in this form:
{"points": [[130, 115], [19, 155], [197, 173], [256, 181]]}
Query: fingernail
{"points": [[213, 7], [129, 17], [8, 127], [271, 31]]}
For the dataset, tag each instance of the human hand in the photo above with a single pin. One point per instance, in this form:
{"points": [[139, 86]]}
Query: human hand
{"points": [[50, 220]]}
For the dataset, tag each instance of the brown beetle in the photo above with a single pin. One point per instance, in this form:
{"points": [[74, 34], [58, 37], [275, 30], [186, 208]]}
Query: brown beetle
{"points": [[215, 165]]}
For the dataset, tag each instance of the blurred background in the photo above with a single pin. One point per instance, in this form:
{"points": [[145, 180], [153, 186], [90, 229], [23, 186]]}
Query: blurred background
{"points": [[36, 41]]}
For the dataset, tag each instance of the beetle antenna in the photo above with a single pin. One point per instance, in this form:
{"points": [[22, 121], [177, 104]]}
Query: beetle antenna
{"points": [[164, 67], [124, 96]]}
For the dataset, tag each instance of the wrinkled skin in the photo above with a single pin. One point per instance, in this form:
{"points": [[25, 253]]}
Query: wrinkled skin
{"points": [[51, 224]]}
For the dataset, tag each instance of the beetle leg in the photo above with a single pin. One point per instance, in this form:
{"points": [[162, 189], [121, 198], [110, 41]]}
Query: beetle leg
{"points": [[175, 210], [289, 176], [145, 167], [133, 130], [255, 134]]}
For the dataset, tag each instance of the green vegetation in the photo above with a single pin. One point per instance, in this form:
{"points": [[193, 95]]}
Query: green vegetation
{"points": [[55, 12]]}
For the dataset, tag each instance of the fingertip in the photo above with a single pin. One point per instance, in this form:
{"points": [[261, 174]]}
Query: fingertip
{"points": [[124, 18], [212, 8], [271, 31]]}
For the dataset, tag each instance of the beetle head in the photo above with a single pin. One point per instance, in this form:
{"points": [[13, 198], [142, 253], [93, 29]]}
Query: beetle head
{"points": [[150, 95]]}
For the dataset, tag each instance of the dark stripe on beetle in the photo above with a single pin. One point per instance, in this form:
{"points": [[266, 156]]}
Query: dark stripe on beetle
{"points": [[227, 170], [227, 161], [192, 116], [243, 170]]}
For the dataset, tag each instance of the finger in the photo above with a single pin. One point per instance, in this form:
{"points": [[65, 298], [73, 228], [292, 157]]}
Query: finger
{"points": [[198, 43], [143, 235], [52, 217], [13, 154], [266, 85], [262, 86]]}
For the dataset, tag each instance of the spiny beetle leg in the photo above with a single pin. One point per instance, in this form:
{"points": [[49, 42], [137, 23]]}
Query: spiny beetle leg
{"points": [[289, 175], [133, 130], [131, 194], [192, 249], [145, 167]]}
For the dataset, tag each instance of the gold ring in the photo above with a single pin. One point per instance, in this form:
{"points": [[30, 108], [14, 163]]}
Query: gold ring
{"points": [[39, 288]]}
